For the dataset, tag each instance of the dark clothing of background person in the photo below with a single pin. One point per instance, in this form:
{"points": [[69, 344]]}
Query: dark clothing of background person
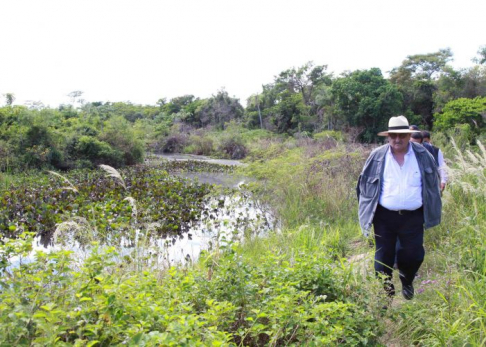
{"points": [[432, 150]]}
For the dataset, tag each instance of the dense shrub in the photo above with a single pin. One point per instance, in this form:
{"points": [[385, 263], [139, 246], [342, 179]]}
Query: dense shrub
{"points": [[108, 301], [97, 152], [119, 133], [200, 145], [329, 134], [462, 111], [66, 138], [233, 148], [174, 143]]}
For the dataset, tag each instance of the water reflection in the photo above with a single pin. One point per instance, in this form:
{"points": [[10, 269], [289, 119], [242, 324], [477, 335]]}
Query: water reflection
{"points": [[190, 157], [231, 213]]}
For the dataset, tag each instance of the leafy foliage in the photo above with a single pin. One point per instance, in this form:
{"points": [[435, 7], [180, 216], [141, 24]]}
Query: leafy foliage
{"points": [[272, 301], [38, 207], [462, 111], [66, 138], [367, 100]]}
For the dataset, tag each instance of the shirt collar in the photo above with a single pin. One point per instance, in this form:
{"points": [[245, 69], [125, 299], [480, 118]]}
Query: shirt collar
{"points": [[409, 151]]}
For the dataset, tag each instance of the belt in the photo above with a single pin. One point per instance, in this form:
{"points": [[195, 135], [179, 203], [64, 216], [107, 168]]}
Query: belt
{"points": [[401, 212]]}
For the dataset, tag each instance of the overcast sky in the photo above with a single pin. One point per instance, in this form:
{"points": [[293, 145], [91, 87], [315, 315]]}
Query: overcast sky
{"points": [[144, 50]]}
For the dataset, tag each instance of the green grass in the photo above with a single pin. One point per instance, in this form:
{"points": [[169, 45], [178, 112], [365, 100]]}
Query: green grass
{"points": [[449, 309], [310, 282], [320, 209]]}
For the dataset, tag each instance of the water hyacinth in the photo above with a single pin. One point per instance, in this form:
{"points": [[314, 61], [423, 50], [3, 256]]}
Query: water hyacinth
{"points": [[112, 172], [45, 204]]}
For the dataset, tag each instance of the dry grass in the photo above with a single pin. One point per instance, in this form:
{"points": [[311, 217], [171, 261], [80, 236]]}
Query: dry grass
{"points": [[112, 172]]}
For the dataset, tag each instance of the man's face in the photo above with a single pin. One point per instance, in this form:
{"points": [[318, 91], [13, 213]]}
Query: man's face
{"points": [[399, 142], [426, 139]]}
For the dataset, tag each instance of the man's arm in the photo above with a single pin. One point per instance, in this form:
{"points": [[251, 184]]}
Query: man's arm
{"points": [[442, 170]]}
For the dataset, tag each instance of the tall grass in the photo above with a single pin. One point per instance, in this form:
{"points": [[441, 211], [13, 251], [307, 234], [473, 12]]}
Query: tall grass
{"points": [[311, 186], [275, 290], [296, 290], [450, 309], [311, 182]]}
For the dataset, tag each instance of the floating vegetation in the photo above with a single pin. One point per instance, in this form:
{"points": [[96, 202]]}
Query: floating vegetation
{"points": [[172, 202], [118, 207], [194, 166]]}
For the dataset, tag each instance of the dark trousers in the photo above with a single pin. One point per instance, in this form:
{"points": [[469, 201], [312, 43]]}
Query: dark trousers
{"points": [[408, 229]]}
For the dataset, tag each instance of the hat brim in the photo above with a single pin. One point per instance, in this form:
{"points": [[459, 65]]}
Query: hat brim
{"points": [[400, 131]]}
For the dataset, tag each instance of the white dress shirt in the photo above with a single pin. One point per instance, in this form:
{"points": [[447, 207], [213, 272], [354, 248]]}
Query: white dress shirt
{"points": [[442, 167], [402, 185]]}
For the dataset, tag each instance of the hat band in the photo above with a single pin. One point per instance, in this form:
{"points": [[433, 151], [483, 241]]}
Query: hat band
{"points": [[398, 127]]}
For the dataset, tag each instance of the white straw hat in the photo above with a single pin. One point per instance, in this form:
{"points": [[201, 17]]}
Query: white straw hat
{"points": [[398, 125]]}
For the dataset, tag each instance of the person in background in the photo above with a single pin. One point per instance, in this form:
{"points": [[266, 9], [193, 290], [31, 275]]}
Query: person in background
{"points": [[427, 145], [398, 194], [439, 157], [416, 137]]}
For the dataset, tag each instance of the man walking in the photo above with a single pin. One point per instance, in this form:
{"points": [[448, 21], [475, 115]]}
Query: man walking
{"points": [[398, 193]]}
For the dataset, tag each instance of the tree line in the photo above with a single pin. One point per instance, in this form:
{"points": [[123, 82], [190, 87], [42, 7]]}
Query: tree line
{"points": [[303, 100]]}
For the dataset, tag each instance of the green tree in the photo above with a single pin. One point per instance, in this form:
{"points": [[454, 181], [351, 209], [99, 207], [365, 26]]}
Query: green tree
{"points": [[220, 109], [465, 83], [462, 111], [327, 113], [178, 104], [262, 103], [303, 80], [9, 98], [481, 58], [291, 103], [75, 95], [289, 112], [120, 135], [416, 78], [474, 82], [367, 100]]}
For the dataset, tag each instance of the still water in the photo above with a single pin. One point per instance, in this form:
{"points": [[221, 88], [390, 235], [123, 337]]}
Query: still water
{"points": [[229, 215]]}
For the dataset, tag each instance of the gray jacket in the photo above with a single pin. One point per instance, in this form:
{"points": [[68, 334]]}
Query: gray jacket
{"points": [[371, 178]]}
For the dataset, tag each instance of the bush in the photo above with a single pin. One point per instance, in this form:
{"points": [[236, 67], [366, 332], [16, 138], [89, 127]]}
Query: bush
{"points": [[97, 152], [275, 301], [120, 135], [174, 143], [135, 154], [462, 111], [329, 134], [200, 145], [233, 148], [462, 135], [4, 154]]}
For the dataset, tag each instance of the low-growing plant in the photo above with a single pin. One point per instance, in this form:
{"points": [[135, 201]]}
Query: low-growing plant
{"points": [[199, 145], [272, 300], [39, 206], [313, 183], [329, 134], [174, 143], [233, 148], [452, 308]]}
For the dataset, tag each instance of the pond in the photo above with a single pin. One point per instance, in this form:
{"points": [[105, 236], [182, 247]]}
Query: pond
{"points": [[193, 157], [180, 206]]}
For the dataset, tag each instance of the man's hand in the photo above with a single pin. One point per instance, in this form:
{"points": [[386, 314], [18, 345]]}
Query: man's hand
{"points": [[442, 186]]}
